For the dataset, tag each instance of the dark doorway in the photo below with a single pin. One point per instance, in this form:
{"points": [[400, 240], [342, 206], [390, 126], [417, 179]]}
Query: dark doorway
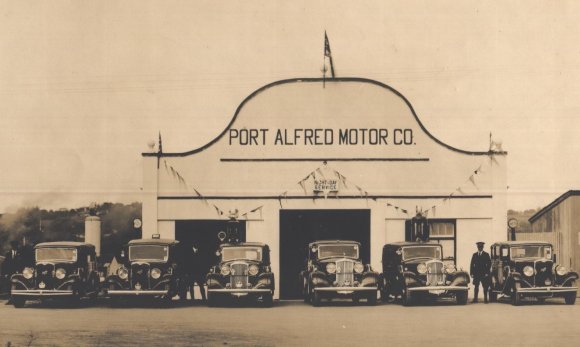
{"points": [[204, 234], [300, 227]]}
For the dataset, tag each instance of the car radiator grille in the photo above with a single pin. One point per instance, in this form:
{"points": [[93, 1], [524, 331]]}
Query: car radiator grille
{"points": [[544, 276], [45, 274], [239, 278], [344, 273], [435, 275], [140, 274]]}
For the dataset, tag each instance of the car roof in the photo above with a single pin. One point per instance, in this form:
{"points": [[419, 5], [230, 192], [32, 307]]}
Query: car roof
{"points": [[64, 244], [242, 244], [409, 243], [516, 243], [326, 242], [166, 242]]}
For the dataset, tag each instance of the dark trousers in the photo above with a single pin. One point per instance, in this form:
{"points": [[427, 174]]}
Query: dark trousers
{"points": [[188, 284], [484, 280]]}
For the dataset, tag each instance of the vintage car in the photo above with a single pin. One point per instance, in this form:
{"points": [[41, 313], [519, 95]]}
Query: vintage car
{"points": [[529, 269], [150, 270], [61, 269], [334, 270], [243, 270], [415, 270]]}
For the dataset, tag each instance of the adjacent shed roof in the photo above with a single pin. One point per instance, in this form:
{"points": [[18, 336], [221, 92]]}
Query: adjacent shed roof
{"points": [[553, 204]]}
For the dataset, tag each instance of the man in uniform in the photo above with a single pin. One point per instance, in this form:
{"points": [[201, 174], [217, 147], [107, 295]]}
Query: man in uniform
{"points": [[480, 270]]}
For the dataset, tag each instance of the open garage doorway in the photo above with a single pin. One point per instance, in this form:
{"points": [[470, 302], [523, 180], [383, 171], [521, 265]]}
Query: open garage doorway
{"points": [[204, 234], [300, 227]]}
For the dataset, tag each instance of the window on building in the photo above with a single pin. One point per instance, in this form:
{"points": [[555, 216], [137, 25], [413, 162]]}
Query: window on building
{"points": [[443, 232]]}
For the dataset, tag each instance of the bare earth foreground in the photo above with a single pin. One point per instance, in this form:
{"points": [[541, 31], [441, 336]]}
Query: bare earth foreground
{"points": [[291, 323]]}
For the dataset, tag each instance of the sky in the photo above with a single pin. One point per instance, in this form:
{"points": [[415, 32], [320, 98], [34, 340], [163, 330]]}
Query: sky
{"points": [[86, 85]]}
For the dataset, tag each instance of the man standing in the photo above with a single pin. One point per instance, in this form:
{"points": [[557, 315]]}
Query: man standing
{"points": [[11, 265], [480, 269]]}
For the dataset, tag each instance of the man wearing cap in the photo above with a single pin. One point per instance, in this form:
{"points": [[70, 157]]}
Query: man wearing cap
{"points": [[480, 269]]}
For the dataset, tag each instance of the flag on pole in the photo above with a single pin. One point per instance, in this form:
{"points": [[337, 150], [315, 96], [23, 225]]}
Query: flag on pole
{"points": [[328, 54]]}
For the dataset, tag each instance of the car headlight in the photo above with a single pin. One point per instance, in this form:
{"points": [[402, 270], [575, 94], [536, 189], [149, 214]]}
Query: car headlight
{"points": [[123, 273], [450, 269], [28, 273], [528, 271], [359, 268], [422, 268], [561, 270], [60, 273], [225, 270], [155, 273], [331, 268], [253, 270]]}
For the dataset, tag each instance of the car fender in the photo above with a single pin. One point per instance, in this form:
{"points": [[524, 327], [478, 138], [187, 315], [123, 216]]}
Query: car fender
{"points": [[318, 279], [18, 281], [370, 279], [265, 280], [570, 276], [459, 278], [411, 279], [213, 281]]}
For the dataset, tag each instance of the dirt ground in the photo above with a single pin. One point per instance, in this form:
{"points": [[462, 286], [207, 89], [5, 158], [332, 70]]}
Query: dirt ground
{"points": [[290, 323]]}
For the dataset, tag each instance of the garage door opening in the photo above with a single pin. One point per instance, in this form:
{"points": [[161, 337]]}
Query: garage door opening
{"points": [[300, 227], [204, 234]]}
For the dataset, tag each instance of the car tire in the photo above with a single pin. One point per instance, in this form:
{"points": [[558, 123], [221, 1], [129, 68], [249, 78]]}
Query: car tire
{"points": [[212, 300], [268, 300], [492, 296], [18, 302], [570, 299], [461, 297], [407, 298], [516, 296], [316, 299], [372, 299], [307, 294]]}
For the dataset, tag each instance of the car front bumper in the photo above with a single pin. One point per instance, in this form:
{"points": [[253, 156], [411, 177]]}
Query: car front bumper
{"points": [[38, 293], [122, 292], [345, 290], [240, 291], [541, 291], [438, 288]]}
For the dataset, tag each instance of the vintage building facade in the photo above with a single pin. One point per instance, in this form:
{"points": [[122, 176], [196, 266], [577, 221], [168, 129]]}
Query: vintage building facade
{"points": [[341, 158]]}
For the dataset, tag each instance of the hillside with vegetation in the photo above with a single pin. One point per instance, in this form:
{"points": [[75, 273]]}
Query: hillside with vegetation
{"points": [[34, 225], [522, 217]]}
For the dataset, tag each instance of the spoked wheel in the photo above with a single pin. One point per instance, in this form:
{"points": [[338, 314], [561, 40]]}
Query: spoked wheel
{"points": [[18, 302], [355, 299], [516, 296], [570, 298], [406, 297], [461, 297]]}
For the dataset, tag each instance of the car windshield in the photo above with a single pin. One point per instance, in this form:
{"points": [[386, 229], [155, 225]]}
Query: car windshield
{"points": [[340, 250], [421, 252], [148, 253], [247, 253], [56, 254], [531, 251]]}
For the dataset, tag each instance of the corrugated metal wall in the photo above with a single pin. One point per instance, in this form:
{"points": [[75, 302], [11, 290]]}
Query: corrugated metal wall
{"points": [[560, 226]]}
